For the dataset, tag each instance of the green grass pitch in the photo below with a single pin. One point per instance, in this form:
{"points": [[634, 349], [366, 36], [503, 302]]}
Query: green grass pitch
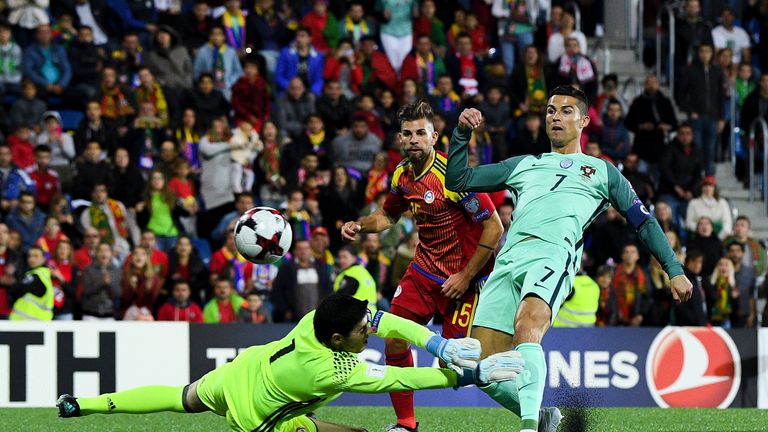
{"points": [[432, 419]]}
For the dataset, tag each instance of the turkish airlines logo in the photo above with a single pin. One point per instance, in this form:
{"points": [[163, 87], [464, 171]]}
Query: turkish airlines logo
{"points": [[693, 367]]}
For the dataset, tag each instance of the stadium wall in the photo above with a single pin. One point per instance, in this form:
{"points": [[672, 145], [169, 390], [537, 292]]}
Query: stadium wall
{"points": [[673, 366]]}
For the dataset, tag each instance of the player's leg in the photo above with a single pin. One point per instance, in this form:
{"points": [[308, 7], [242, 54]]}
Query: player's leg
{"points": [[141, 400], [495, 341], [411, 301], [493, 326], [531, 323], [546, 284]]}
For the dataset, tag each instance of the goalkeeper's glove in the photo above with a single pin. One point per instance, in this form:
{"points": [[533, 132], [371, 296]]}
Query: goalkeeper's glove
{"points": [[504, 366], [456, 353]]}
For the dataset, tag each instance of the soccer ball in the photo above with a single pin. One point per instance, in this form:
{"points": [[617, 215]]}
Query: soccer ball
{"points": [[263, 235]]}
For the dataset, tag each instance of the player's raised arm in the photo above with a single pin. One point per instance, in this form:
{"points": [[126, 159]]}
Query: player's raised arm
{"points": [[373, 378], [625, 200], [459, 177], [377, 221]]}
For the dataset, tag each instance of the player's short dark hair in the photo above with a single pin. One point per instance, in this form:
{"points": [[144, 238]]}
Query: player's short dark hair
{"points": [[693, 255], [421, 109], [744, 218], [567, 90], [178, 282], [737, 243], [349, 249], [603, 270], [244, 195], [43, 148], [222, 278], [338, 313], [26, 193], [611, 77]]}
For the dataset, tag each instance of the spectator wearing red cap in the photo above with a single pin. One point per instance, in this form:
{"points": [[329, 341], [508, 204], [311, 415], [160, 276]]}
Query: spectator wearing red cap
{"points": [[319, 242], [709, 204]]}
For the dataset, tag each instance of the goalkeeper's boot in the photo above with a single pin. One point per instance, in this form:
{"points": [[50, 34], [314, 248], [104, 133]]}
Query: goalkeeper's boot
{"points": [[549, 418], [401, 428], [68, 406]]}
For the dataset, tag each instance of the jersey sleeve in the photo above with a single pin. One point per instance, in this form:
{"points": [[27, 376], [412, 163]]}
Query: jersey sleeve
{"points": [[485, 178], [396, 204], [386, 325], [625, 200], [374, 378]]}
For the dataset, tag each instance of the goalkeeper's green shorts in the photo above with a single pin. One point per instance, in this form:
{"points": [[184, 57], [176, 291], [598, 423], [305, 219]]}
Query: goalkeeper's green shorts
{"points": [[537, 268], [227, 392]]}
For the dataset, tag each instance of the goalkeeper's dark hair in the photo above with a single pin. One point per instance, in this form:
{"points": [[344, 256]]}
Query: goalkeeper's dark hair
{"points": [[338, 313], [421, 109], [581, 97]]}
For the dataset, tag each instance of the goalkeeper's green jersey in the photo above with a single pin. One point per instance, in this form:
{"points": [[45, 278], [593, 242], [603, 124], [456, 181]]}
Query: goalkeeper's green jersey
{"points": [[556, 197], [267, 385]]}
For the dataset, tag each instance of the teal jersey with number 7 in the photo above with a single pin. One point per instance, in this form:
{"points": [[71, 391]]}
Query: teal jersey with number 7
{"points": [[556, 197]]}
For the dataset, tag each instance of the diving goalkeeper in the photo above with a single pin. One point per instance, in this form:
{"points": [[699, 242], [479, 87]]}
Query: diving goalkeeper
{"points": [[274, 387]]}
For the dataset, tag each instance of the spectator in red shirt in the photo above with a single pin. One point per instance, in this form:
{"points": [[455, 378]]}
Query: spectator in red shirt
{"points": [[65, 278], [250, 96], [478, 34], [22, 149], [225, 305], [46, 180], [141, 285], [228, 263], [341, 67], [8, 266], [254, 311], [179, 307], [158, 258], [51, 237], [377, 70], [84, 256], [183, 187], [631, 287], [322, 25]]}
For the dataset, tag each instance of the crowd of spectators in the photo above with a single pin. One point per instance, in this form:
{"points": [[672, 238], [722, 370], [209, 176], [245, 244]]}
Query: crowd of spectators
{"points": [[192, 113]]}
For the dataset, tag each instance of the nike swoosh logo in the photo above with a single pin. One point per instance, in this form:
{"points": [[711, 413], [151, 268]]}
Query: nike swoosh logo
{"points": [[527, 385], [538, 285]]}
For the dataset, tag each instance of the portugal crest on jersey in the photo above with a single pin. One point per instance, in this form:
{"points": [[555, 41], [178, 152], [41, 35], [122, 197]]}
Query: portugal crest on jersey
{"points": [[587, 171]]}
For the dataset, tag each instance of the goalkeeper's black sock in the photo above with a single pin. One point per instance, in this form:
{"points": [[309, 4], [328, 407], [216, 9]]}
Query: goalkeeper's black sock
{"points": [[141, 400]]}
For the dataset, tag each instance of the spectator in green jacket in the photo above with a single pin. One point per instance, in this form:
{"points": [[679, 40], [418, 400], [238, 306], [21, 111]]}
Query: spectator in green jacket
{"points": [[225, 304]]}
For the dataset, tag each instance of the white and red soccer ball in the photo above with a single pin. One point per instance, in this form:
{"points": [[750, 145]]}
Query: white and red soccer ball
{"points": [[263, 235]]}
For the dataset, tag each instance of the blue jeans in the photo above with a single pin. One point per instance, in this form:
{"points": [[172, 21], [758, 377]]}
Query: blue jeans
{"points": [[705, 140], [511, 50], [166, 244]]}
